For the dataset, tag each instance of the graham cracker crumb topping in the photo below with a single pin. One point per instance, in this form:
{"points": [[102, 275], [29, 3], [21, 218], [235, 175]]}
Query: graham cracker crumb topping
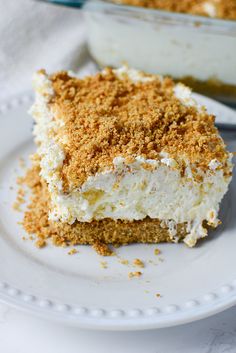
{"points": [[105, 117]]}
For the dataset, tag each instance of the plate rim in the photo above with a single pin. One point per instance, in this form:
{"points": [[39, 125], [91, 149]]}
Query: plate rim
{"points": [[119, 319], [209, 304]]}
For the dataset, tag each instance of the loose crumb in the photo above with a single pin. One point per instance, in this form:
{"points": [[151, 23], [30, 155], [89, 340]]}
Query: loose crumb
{"points": [[134, 274], [158, 295], [102, 249], [124, 262], [20, 200], [103, 264], [72, 251], [138, 263], [157, 251], [40, 243]]}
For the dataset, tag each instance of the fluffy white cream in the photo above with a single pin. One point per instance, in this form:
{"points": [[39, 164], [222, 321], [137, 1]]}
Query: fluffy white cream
{"points": [[129, 191], [184, 94], [134, 75], [46, 126], [210, 9], [132, 192]]}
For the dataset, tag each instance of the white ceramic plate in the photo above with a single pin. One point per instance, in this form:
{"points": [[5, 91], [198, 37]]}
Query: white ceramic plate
{"points": [[193, 283]]}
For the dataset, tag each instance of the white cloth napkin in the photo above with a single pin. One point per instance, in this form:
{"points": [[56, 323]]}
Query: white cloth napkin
{"points": [[35, 35]]}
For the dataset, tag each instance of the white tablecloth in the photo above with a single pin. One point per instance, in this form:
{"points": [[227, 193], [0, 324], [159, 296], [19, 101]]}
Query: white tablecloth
{"points": [[35, 35]]}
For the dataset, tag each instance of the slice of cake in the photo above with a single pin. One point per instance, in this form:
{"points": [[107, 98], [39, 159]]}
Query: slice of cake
{"points": [[124, 157]]}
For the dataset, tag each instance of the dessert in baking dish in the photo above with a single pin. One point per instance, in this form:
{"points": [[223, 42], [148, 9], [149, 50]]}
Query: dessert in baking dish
{"points": [[196, 50]]}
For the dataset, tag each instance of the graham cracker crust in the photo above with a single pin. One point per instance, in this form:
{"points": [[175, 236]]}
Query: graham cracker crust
{"points": [[96, 233]]}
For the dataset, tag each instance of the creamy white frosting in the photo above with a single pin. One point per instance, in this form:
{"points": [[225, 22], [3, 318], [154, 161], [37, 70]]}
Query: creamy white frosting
{"points": [[134, 75], [210, 8], [184, 94], [128, 191], [49, 149]]}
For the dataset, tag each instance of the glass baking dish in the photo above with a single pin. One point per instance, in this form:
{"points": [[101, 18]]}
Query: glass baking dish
{"points": [[196, 50]]}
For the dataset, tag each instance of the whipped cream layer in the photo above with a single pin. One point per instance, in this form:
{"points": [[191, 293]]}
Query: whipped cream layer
{"points": [[129, 191]]}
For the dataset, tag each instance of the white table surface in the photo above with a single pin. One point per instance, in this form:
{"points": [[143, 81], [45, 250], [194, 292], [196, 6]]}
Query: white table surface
{"points": [[23, 333]]}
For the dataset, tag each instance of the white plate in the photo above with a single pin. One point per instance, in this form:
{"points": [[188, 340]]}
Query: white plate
{"points": [[193, 283]]}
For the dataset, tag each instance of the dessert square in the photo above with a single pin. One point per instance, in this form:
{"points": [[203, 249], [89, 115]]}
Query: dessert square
{"points": [[123, 157]]}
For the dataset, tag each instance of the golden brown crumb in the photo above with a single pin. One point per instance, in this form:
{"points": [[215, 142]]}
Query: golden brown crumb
{"points": [[72, 251], [40, 243], [158, 295], [138, 263], [102, 249], [157, 251], [224, 8], [103, 264], [19, 200], [124, 262], [134, 274], [106, 117]]}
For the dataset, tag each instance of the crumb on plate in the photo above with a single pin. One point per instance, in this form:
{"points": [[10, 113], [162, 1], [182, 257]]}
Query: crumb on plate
{"points": [[134, 274]]}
